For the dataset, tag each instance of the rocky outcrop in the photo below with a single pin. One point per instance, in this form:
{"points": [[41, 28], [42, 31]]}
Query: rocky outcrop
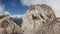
{"points": [[40, 19], [8, 26]]}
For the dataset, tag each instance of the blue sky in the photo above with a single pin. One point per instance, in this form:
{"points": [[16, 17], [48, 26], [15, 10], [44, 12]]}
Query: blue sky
{"points": [[14, 6]]}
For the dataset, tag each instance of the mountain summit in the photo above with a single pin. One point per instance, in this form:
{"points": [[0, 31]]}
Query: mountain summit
{"points": [[40, 19]]}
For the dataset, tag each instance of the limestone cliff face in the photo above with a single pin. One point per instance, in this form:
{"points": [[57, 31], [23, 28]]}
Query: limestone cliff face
{"points": [[40, 19], [8, 26]]}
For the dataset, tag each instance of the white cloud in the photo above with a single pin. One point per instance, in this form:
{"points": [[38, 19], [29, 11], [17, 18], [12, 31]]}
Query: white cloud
{"points": [[6, 13], [29, 2], [1, 9], [55, 4], [3, 12], [17, 16]]}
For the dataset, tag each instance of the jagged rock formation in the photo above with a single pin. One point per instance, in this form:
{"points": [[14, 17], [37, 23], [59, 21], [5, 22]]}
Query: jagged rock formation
{"points": [[40, 19], [8, 26]]}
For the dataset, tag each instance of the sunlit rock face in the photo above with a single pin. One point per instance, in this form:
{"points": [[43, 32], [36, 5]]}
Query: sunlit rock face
{"points": [[8, 26], [39, 19]]}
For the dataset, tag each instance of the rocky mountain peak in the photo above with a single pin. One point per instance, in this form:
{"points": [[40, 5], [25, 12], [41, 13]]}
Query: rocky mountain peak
{"points": [[8, 26], [39, 19], [2, 16], [38, 6], [44, 11]]}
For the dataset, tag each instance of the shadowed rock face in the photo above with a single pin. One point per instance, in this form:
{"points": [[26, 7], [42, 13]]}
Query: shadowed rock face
{"points": [[40, 19], [18, 21], [8, 26]]}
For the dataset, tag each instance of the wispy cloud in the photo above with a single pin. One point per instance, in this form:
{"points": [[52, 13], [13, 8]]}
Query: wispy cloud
{"points": [[3, 12], [29, 2], [55, 4], [1, 9], [13, 4], [17, 16], [6, 13]]}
